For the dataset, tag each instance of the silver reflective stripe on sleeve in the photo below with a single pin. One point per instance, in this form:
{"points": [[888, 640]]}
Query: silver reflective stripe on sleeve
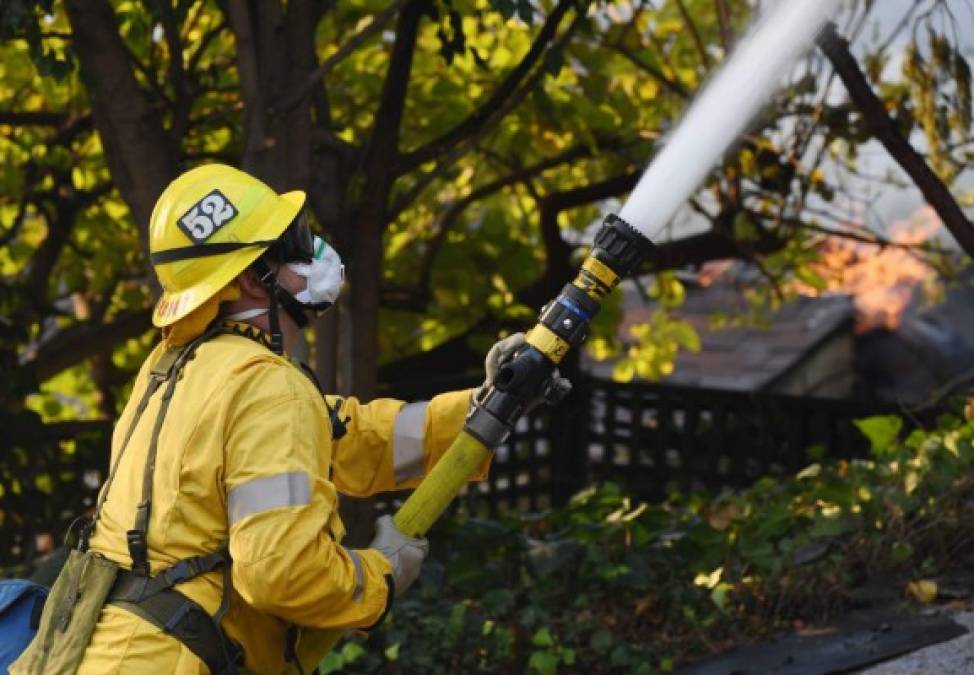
{"points": [[270, 492], [359, 574], [407, 441]]}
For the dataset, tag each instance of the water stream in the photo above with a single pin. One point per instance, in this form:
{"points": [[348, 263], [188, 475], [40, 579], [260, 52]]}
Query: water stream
{"points": [[723, 111]]}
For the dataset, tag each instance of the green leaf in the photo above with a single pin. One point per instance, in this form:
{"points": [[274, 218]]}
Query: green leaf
{"points": [[810, 471], [331, 663], [543, 662], [352, 652], [392, 653], [621, 656], [543, 638], [882, 432], [601, 641], [811, 277], [719, 595], [902, 551]]}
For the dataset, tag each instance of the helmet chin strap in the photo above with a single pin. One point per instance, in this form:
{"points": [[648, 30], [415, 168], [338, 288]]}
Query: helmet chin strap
{"points": [[295, 309], [278, 297]]}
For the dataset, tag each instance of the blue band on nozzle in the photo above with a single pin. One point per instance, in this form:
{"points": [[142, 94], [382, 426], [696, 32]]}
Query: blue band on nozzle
{"points": [[570, 305]]}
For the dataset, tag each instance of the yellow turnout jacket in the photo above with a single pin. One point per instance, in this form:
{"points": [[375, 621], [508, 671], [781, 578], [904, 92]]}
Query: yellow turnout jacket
{"points": [[246, 455]]}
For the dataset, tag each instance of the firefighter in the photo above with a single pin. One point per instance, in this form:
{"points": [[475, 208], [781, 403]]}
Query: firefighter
{"points": [[220, 508]]}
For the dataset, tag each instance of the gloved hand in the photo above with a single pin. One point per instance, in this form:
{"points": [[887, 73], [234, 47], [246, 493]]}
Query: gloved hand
{"points": [[405, 553], [501, 353], [555, 389]]}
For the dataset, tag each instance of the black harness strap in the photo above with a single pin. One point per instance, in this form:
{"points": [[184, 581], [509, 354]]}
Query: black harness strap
{"points": [[339, 426], [184, 570], [155, 600], [185, 620], [291, 648]]}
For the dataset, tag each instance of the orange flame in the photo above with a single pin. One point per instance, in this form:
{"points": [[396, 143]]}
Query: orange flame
{"points": [[881, 280], [712, 271]]}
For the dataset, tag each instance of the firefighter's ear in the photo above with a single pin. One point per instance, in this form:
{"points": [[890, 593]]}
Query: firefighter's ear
{"points": [[250, 285]]}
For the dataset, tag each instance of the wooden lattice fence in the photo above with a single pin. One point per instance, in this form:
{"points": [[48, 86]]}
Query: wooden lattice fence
{"points": [[655, 438]]}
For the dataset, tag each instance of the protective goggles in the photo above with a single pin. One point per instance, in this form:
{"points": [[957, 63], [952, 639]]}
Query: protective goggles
{"points": [[297, 244]]}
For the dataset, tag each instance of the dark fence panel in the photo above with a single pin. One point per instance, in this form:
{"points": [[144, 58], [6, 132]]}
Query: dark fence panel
{"points": [[654, 439], [657, 438], [49, 474]]}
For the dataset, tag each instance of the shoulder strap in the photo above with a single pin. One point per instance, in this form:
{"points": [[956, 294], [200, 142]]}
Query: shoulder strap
{"points": [[137, 542], [160, 372], [339, 426]]}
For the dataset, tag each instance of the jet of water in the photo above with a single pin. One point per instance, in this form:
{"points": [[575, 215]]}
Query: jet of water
{"points": [[722, 112]]}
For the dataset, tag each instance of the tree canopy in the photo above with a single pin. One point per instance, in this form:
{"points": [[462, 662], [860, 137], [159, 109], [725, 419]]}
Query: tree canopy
{"points": [[455, 152]]}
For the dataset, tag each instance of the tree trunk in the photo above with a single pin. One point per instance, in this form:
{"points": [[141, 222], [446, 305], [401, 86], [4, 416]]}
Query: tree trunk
{"points": [[140, 156], [363, 289], [326, 349], [277, 147], [328, 186]]}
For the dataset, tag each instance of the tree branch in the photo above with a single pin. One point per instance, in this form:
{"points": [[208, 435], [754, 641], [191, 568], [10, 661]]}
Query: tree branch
{"points": [[886, 132], [713, 245], [383, 144], [177, 74], [80, 341], [32, 118], [723, 19], [30, 179], [203, 43], [864, 238], [378, 22], [59, 233], [558, 268], [694, 33], [486, 112], [610, 143], [657, 74]]}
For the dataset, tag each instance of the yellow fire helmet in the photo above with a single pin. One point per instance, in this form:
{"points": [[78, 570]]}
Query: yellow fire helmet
{"points": [[207, 227]]}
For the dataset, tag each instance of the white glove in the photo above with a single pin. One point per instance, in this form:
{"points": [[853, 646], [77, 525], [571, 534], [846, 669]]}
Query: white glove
{"points": [[557, 387], [405, 553], [500, 354]]}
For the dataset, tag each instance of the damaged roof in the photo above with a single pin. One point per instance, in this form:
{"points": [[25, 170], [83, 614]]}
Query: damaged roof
{"points": [[744, 357]]}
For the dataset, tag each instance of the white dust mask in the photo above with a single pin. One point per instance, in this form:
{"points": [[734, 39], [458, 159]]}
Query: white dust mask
{"points": [[324, 274]]}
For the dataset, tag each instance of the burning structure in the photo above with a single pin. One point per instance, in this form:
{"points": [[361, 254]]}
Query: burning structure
{"points": [[880, 325], [882, 280]]}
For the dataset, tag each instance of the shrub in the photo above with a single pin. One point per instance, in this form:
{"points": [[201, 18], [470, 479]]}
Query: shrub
{"points": [[607, 585]]}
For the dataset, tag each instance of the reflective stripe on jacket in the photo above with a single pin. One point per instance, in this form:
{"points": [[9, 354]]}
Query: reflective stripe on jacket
{"points": [[246, 454]]}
